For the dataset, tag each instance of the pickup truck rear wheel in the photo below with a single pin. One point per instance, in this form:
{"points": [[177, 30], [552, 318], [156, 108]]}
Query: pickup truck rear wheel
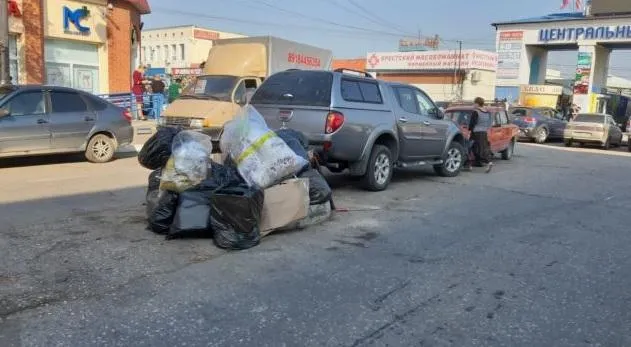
{"points": [[380, 167], [452, 161]]}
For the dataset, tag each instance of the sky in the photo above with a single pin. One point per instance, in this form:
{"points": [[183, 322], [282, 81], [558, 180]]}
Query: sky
{"points": [[351, 28]]}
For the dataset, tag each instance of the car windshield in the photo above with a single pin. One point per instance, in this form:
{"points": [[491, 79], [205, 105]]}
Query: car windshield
{"points": [[460, 117], [590, 118], [299, 87], [519, 112], [211, 87]]}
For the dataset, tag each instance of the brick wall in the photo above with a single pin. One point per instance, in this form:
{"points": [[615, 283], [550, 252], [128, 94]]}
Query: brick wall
{"points": [[122, 19], [33, 17]]}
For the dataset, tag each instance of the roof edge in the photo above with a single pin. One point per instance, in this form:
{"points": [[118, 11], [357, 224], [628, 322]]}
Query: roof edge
{"points": [[141, 5], [560, 17]]}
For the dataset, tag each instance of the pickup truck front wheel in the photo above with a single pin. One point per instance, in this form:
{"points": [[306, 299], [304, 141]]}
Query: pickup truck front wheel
{"points": [[380, 167], [452, 161]]}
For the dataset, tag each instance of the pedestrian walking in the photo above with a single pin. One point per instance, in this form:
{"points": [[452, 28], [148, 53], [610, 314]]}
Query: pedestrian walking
{"points": [[175, 89], [138, 88], [157, 97], [479, 124]]}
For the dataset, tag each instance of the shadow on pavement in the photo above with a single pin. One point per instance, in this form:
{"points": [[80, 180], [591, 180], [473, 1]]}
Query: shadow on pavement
{"points": [[52, 159], [84, 246]]}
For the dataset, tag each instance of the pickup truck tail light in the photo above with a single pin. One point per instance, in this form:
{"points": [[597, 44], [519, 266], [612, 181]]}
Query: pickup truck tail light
{"points": [[334, 121]]}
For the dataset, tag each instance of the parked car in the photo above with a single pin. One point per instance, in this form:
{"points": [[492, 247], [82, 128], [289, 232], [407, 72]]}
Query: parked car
{"points": [[538, 123], [36, 119], [502, 136], [593, 128], [365, 125]]}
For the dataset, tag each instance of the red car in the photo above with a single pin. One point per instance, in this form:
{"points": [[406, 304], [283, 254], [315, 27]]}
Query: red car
{"points": [[503, 134]]}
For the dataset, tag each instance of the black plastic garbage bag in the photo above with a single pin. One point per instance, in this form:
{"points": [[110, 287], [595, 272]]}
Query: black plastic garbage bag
{"points": [[221, 176], [296, 140], [192, 216], [154, 180], [319, 189], [157, 150], [235, 215], [161, 214]]}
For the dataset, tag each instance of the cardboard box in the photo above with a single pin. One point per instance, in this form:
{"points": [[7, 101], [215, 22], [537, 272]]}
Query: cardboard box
{"points": [[284, 204]]}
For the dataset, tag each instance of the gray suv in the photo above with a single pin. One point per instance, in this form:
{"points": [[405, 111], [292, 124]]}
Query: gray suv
{"points": [[365, 125], [39, 119]]}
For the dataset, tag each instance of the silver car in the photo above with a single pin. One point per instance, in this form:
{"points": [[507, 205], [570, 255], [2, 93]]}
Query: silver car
{"points": [[37, 119], [593, 128], [361, 124]]}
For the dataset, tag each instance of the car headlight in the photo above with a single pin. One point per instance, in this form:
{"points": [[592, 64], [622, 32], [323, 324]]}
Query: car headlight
{"points": [[197, 123]]}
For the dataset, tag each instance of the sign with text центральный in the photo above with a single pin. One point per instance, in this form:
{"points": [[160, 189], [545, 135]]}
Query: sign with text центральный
{"points": [[435, 60], [601, 33]]}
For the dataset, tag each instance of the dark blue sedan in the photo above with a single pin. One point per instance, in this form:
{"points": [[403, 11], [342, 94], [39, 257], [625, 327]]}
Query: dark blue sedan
{"points": [[538, 124]]}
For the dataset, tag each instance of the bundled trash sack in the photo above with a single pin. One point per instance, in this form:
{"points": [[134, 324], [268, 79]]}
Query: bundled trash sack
{"points": [[153, 191], [154, 180], [262, 158], [157, 150], [192, 215], [296, 140], [161, 215], [222, 176], [319, 189], [235, 215], [189, 162]]}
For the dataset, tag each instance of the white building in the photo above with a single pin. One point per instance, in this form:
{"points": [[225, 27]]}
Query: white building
{"points": [[180, 47]]}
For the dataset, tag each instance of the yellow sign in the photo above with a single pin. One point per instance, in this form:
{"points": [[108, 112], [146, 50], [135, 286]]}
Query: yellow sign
{"points": [[538, 100]]}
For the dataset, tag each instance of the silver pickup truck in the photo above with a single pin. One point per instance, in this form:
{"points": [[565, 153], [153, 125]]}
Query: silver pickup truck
{"points": [[365, 125]]}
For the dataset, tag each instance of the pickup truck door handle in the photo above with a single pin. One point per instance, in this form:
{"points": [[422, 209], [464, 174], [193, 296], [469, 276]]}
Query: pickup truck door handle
{"points": [[427, 122], [403, 120], [42, 121], [89, 119]]}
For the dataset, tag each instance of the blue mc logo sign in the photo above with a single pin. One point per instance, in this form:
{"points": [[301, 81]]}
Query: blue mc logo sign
{"points": [[75, 17]]}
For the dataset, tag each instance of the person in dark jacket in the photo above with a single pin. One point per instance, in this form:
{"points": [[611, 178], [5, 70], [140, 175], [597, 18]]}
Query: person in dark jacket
{"points": [[479, 124]]}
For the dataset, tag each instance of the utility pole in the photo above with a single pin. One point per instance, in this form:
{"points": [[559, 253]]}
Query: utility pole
{"points": [[4, 43], [461, 91]]}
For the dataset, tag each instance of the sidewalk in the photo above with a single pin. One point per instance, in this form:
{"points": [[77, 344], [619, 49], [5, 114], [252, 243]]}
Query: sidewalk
{"points": [[143, 129]]}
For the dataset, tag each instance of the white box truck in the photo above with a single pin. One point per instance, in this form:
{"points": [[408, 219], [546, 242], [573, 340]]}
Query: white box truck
{"points": [[232, 72]]}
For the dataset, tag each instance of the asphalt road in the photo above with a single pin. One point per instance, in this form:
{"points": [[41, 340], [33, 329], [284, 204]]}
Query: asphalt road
{"points": [[535, 253]]}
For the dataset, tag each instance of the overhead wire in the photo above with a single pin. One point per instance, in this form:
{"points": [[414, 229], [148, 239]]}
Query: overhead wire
{"points": [[350, 30], [373, 18]]}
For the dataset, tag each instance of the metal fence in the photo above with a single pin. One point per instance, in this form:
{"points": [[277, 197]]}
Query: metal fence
{"points": [[152, 104]]}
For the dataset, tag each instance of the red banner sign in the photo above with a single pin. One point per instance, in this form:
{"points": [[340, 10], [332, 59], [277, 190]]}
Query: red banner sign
{"points": [[300, 59], [205, 35]]}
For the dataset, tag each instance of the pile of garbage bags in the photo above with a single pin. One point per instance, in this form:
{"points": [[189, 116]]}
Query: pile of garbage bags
{"points": [[190, 195]]}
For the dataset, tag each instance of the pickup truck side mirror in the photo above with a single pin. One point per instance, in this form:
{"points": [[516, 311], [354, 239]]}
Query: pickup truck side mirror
{"points": [[4, 112], [437, 113]]}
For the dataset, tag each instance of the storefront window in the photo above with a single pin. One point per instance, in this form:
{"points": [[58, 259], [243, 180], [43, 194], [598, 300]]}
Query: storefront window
{"points": [[13, 58], [72, 64]]}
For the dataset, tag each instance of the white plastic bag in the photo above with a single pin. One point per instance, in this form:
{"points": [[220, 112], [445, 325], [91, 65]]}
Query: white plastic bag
{"points": [[191, 152], [262, 158]]}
